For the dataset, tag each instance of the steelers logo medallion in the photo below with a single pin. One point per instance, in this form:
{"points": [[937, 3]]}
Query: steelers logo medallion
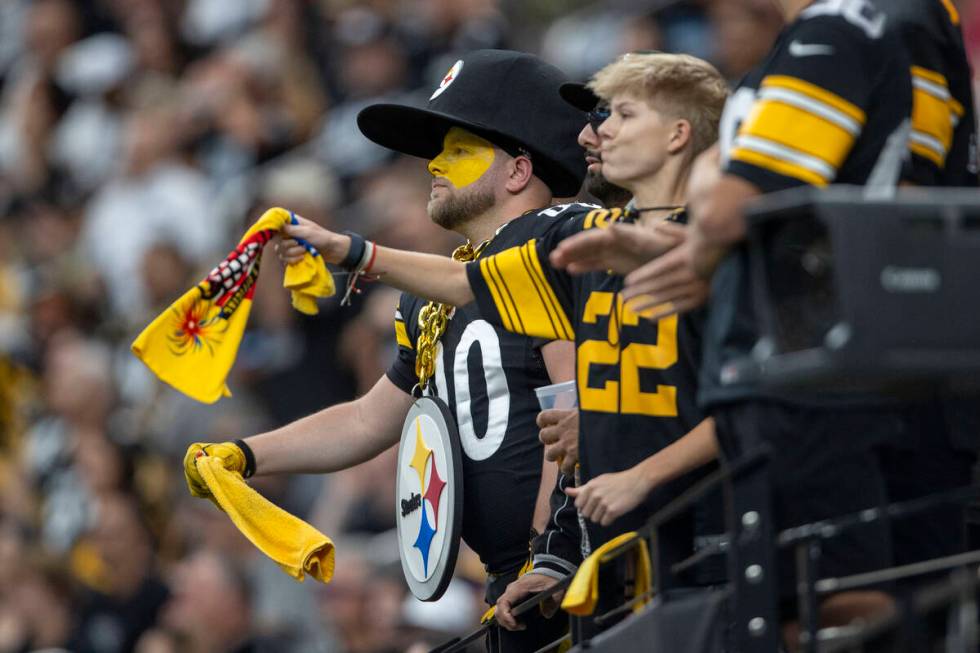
{"points": [[429, 498], [449, 78]]}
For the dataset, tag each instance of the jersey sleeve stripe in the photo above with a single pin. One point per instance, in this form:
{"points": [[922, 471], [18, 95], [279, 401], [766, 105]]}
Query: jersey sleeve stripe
{"points": [[799, 130], [401, 334], [954, 15], [801, 101], [782, 160], [498, 294], [530, 256], [957, 109], [816, 94], [927, 147], [931, 82], [520, 296]]}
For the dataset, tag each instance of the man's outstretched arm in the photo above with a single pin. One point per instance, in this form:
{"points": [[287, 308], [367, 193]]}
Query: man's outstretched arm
{"points": [[332, 439], [428, 276]]}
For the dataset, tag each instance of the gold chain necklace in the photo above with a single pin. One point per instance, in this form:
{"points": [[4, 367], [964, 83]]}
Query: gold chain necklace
{"points": [[433, 319]]}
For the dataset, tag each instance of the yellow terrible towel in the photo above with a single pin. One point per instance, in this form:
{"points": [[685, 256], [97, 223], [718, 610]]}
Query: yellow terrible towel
{"points": [[583, 593], [295, 545], [193, 344]]}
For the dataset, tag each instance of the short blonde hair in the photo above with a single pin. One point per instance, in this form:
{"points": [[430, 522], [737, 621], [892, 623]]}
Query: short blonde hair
{"points": [[678, 85]]}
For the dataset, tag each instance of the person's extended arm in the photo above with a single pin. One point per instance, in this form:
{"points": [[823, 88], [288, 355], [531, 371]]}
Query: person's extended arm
{"points": [[719, 222], [334, 438], [610, 496], [676, 281], [337, 437], [559, 359], [429, 276]]}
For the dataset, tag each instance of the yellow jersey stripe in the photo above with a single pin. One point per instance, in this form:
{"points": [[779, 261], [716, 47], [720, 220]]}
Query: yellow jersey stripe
{"points": [[954, 15], [927, 147], [531, 261], [803, 131], [956, 108], [932, 116], [498, 295], [401, 335], [930, 76], [516, 318], [937, 89], [779, 166], [806, 104], [817, 94], [529, 314]]}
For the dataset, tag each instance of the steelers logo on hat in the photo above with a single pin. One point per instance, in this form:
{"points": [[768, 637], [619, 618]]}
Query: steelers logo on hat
{"points": [[448, 79], [508, 98]]}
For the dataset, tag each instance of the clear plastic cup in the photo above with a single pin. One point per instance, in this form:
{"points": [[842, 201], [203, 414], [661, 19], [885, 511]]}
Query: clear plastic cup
{"points": [[557, 395]]}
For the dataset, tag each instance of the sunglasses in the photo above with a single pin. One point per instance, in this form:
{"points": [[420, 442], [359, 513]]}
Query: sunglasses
{"points": [[598, 116]]}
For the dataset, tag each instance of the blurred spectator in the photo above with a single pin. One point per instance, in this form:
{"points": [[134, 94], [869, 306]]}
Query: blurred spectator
{"points": [[138, 139], [370, 68], [210, 609], [125, 593], [86, 142], [36, 609], [155, 196], [744, 32], [31, 103]]}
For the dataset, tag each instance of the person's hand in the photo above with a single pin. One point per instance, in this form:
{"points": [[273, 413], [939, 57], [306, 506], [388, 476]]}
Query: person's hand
{"points": [[559, 435], [525, 586], [231, 456], [610, 496], [620, 247], [667, 285], [332, 246]]}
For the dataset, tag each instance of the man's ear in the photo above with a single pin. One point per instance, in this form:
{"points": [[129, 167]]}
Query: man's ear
{"points": [[520, 171], [680, 136]]}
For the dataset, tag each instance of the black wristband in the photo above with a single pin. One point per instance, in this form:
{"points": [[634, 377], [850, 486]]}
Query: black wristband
{"points": [[356, 251], [249, 458]]}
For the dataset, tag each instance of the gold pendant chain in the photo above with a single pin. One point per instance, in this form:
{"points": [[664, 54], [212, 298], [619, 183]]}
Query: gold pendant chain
{"points": [[433, 319]]}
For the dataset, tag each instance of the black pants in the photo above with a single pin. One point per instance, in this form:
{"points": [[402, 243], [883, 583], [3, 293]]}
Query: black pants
{"points": [[926, 460], [539, 632], [824, 463]]}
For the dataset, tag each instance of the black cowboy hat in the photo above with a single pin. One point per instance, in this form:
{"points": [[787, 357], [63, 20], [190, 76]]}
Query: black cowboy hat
{"points": [[579, 96], [509, 98]]}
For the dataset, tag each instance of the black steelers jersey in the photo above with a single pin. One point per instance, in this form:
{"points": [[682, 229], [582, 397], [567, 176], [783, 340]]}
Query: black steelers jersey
{"points": [[635, 378], [943, 142], [487, 376], [830, 104]]}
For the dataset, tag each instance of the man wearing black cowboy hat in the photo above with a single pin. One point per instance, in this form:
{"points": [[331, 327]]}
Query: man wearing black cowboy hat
{"points": [[500, 143]]}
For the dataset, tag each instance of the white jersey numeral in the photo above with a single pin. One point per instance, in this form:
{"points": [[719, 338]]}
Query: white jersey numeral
{"points": [[477, 333]]}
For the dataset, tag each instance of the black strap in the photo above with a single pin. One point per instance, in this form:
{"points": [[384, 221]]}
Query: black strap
{"points": [[356, 251], [249, 458]]}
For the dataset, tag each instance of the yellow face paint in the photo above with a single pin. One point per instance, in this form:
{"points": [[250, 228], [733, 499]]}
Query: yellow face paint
{"points": [[465, 157]]}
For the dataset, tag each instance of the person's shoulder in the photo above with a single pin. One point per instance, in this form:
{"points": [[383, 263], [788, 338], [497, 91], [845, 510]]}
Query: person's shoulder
{"points": [[858, 22], [540, 222], [409, 307]]}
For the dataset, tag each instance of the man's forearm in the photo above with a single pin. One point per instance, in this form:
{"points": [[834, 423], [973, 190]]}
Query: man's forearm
{"points": [[334, 438], [697, 448], [427, 276]]}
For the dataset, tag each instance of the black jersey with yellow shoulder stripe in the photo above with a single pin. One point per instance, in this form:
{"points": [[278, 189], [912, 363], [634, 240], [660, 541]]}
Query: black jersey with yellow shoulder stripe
{"points": [[829, 105], [487, 376], [636, 379], [944, 129]]}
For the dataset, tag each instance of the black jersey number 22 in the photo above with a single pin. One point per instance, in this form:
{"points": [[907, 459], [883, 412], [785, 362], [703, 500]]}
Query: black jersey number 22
{"points": [[626, 396]]}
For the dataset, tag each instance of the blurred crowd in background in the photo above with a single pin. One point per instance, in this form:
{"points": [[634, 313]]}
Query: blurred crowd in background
{"points": [[138, 140]]}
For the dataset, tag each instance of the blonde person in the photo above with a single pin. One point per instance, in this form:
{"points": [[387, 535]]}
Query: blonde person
{"points": [[641, 433]]}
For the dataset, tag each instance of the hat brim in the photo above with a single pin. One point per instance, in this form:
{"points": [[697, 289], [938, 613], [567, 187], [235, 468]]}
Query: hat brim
{"points": [[415, 131], [421, 132], [579, 96]]}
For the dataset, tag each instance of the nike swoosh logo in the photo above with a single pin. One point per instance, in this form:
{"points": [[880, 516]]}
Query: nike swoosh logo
{"points": [[798, 49]]}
